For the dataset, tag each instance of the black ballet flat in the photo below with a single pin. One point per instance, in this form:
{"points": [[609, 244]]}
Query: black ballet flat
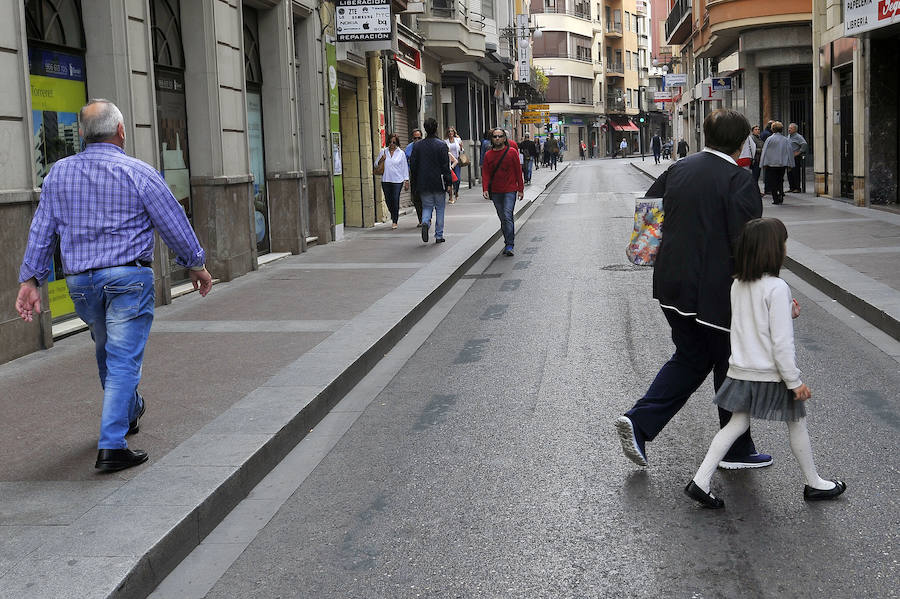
{"points": [[707, 500], [811, 494]]}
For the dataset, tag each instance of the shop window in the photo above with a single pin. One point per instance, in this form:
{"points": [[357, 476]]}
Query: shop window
{"points": [[171, 108], [253, 71], [57, 80]]}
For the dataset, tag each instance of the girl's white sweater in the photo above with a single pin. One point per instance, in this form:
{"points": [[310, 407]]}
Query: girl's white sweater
{"points": [[762, 334]]}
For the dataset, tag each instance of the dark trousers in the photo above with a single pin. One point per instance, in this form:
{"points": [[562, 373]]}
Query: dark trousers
{"points": [[755, 170], [656, 154], [392, 198], [699, 350], [775, 182], [794, 173], [417, 204]]}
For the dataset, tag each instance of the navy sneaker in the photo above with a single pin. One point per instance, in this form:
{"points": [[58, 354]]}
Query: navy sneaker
{"points": [[508, 251], [425, 227], [754, 460], [632, 441]]}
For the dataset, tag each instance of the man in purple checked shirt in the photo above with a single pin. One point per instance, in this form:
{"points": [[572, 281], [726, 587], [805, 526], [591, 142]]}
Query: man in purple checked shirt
{"points": [[102, 207]]}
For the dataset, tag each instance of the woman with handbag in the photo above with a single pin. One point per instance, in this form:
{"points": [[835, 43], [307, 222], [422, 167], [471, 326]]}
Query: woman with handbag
{"points": [[454, 145], [394, 171], [502, 183]]}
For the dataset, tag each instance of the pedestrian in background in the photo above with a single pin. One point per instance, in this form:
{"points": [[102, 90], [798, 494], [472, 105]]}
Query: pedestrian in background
{"points": [[528, 152], [763, 380], [429, 176], [416, 200], [582, 148], [707, 198], [656, 146], [800, 147], [501, 182], [777, 155], [395, 177], [757, 153], [623, 148], [553, 150], [485, 145], [682, 148], [102, 207], [766, 133], [454, 145]]}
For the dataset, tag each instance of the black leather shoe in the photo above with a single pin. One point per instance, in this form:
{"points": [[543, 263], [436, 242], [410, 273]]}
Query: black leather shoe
{"points": [[705, 499], [134, 426], [110, 460], [811, 494]]}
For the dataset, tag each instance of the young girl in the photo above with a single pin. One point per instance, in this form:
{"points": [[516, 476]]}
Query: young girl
{"points": [[763, 380]]}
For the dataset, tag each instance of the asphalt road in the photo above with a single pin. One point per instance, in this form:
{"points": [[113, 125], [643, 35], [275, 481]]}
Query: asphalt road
{"points": [[488, 466]]}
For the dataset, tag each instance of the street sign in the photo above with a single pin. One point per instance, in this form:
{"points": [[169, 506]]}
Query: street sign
{"points": [[538, 107], [721, 84], [660, 96], [534, 113], [534, 121], [675, 80], [518, 102]]}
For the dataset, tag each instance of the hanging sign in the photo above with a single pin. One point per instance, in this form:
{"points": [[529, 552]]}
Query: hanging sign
{"points": [[675, 80], [721, 84], [363, 20]]}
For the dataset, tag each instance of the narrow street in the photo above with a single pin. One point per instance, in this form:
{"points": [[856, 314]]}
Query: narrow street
{"points": [[485, 464]]}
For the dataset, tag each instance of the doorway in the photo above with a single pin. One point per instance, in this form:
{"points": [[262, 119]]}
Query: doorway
{"points": [[845, 79]]}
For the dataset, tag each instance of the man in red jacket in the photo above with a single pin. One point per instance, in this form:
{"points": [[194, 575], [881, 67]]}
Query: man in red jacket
{"points": [[501, 181]]}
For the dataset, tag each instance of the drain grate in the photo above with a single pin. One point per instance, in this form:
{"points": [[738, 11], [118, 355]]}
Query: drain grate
{"points": [[625, 268]]}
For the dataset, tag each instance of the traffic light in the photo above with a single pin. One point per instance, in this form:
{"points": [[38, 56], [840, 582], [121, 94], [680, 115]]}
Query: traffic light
{"points": [[548, 127], [642, 118]]}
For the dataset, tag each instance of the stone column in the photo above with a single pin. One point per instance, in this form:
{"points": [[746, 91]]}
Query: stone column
{"points": [[18, 196], [217, 128], [284, 176]]}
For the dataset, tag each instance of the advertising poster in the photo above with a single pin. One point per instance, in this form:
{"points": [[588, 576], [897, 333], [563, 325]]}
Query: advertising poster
{"points": [[57, 94], [335, 119], [363, 20]]}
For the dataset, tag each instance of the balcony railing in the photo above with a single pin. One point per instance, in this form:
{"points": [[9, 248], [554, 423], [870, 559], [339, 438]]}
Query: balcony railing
{"points": [[581, 13], [615, 67], [569, 55], [613, 27], [615, 101], [456, 11], [570, 100], [678, 12]]}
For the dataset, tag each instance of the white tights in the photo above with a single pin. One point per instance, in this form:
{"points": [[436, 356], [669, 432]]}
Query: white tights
{"points": [[737, 426]]}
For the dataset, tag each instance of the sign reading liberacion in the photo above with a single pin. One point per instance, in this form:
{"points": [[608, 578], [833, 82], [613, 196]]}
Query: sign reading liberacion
{"points": [[363, 20]]}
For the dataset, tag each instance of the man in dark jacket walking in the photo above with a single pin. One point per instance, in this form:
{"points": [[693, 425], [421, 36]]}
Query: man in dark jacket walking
{"points": [[429, 176], [529, 153], [656, 146], [707, 199]]}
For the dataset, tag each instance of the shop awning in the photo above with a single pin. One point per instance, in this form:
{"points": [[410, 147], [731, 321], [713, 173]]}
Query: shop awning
{"points": [[410, 74], [625, 125]]}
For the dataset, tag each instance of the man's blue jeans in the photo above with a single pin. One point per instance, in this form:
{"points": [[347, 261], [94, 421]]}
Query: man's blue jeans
{"points": [[526, 169], [117, 305], [505, 203], [434, 202]]}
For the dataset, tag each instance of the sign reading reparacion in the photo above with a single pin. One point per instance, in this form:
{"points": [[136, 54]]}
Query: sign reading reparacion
{"points": [[362, 20]]}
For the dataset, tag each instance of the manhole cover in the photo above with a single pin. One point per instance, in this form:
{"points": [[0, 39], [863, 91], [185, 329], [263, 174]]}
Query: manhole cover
{"points": [[623, 268]]}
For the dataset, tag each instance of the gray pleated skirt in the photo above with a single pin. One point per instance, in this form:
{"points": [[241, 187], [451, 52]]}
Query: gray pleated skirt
{"points": [[762, 399]]}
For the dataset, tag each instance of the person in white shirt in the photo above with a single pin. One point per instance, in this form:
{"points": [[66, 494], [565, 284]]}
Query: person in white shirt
{"points": [[395, 177], [454, 146], [763, 380]]}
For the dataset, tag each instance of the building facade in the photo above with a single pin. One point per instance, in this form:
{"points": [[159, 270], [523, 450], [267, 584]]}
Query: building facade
{"points": [[264, 123], [856, 107]]}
